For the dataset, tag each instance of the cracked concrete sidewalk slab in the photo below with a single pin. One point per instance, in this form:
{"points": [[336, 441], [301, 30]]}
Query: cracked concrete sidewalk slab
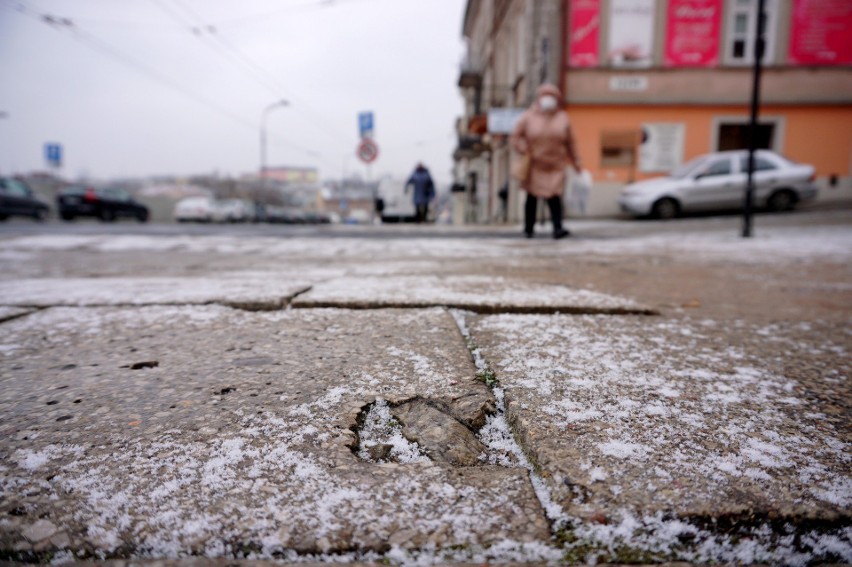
{"points": [[239, 439], [686, 417], [236, 289], [483, 294]]}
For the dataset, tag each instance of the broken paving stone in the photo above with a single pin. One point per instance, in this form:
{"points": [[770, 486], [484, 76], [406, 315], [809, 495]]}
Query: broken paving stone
{"points": [[380, 452], [443, 438], [297, 445], [39, 531]]}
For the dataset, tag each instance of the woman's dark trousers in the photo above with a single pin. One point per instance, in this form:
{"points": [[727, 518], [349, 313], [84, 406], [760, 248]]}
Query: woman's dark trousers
{"points": [[555, 204]]}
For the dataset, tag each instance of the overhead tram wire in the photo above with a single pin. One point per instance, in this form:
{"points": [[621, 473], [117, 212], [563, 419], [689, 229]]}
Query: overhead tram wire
{"points": [[200, 27], [207, 34], [66, 24]]}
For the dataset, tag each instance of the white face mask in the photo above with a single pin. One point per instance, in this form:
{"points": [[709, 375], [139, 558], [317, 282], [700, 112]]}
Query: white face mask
{"points": [[548, 103]]}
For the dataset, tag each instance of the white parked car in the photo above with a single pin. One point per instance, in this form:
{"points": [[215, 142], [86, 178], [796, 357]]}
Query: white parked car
{"points": [[235, 210], [195, 209], [718, 182]]}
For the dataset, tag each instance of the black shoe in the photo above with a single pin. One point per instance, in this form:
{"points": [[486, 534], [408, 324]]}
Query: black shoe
{"points": [[561, 233], [528, 234]]}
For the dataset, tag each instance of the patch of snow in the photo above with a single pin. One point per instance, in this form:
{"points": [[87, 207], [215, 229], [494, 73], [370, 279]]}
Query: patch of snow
{"points": [[380, 428]]}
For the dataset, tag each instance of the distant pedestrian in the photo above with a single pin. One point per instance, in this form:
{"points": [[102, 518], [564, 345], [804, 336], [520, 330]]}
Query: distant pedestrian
{"points": [[545, 140], [424, 191]]}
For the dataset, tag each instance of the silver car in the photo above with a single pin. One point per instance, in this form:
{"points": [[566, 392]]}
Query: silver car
{"points": [[717, 182]]}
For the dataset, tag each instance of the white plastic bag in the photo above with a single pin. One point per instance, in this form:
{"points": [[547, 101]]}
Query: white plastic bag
{"points": [[581, 186]]}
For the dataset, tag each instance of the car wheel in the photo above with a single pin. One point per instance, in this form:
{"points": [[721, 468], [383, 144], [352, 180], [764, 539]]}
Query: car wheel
{"points": [[665, 209], [67, 216], [107, 215], [142, 216], [783, 200], [40, 215], [3, 217]]}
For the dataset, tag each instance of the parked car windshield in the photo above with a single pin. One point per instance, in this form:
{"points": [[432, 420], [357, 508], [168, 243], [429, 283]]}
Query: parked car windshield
{"points": [[15, 187], [116, 194], [688, 168]]}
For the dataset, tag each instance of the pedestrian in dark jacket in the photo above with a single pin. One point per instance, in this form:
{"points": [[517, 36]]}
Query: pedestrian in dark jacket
{"points": [[424, 191]]}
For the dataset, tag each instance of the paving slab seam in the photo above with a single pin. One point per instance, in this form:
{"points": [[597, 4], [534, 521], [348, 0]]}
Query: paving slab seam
{"points": [[293, 297], [556, 518], [476, 308], [577, 536], [250, 306], [12, 317]]}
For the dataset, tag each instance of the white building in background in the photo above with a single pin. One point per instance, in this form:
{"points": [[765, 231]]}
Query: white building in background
{"points": [[513, 46]]}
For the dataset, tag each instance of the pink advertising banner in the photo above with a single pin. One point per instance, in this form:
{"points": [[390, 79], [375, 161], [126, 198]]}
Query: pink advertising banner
{"points": [[821, 32], [585, 23], [693, 30]]}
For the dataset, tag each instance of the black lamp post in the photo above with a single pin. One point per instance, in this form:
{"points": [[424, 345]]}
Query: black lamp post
{"points": [[752, 129]]}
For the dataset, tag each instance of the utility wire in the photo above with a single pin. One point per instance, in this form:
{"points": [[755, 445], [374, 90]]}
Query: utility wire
{"points": [[65, 24], [207, 34], [201, 28]]}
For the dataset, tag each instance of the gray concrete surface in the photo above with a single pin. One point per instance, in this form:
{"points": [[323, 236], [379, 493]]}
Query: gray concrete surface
{"points": [[664, 397]]}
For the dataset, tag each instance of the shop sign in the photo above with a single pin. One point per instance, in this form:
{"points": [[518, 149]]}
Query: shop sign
{"points": [[693, 31], [820, 32], [631, 33], [585, 22], [661, 149], [628, 83], [502, 120]]}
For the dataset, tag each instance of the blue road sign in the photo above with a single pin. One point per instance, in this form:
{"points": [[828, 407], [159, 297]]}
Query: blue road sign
{"points": [[365, 124], [53, 154]]}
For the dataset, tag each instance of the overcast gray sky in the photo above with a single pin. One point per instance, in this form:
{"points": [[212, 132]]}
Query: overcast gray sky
{"points": [[139, 87]]}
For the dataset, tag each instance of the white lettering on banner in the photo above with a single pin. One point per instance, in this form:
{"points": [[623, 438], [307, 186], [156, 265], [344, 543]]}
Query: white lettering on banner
{"points": [[629, 84], [693, 13]]}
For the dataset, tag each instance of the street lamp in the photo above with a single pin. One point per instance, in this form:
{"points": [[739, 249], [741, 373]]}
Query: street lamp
{"points": [[266, 111]]}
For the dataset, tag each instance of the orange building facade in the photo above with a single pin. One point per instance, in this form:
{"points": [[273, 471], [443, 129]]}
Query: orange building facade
{"points": [[650, 84]]}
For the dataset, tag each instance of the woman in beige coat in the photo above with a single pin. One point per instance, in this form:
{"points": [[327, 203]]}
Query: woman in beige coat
{"points": [[544, 133]]}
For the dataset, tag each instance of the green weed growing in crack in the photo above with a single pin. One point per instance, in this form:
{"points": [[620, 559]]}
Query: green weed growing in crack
{"points": [[489, 377]]}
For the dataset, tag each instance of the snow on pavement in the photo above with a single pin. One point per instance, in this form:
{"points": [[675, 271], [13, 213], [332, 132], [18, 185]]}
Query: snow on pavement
{"points": [[771, 244]]}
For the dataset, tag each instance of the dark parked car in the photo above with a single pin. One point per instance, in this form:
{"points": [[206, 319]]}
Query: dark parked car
{"points": [[106, 204], [16, 198]]}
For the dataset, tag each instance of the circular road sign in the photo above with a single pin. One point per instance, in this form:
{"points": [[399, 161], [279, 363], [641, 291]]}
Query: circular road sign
{"points": [[367, 150]]}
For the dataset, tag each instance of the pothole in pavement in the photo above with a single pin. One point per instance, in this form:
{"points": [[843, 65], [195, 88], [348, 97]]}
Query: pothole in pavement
{"points": [[415, 430], [425, 430]]}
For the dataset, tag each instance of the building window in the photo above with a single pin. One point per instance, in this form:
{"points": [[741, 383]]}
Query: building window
{"points": [[742, 29], [735, 136], [618, 147]]}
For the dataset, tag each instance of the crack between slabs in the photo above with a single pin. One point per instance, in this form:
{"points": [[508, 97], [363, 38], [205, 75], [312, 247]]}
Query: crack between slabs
{"points": [[659, 537], [32, 310], [498, 434]]}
